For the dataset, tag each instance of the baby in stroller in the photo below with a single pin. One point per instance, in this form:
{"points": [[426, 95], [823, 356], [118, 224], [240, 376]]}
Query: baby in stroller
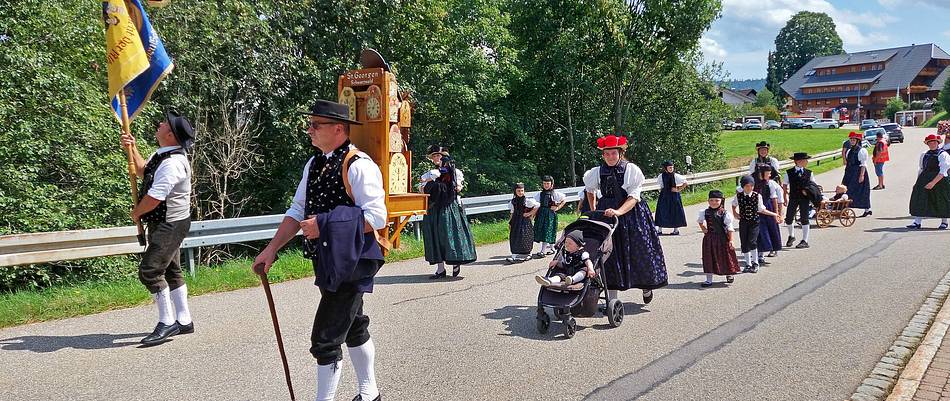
{"points": [[573, 267]]}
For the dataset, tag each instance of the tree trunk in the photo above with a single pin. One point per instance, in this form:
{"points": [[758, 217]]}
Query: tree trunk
{"points": [[570, 135]]}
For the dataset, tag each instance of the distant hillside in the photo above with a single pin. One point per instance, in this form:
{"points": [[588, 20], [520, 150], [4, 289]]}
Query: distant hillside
{"points": [[756, 84]]}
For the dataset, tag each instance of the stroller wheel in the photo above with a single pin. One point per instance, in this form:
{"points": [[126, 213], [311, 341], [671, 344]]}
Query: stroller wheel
{"points": [[615, 312], [570, 327], [544, 322]]}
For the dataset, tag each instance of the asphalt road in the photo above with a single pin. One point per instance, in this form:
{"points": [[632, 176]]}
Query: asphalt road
{"points": [[808, 327]]}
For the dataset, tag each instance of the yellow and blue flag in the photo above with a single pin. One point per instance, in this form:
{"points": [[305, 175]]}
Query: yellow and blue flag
{"points": [[125, 56], [158, 63]]}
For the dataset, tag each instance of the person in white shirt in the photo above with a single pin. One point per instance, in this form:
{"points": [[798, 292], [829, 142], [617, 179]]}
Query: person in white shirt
{"points": [[797, 181], [856, 176], [931, 194], [321, 192], [164, 205], [446, 234], [762, 157], [637, 259], [746, 207], [545, 225]]}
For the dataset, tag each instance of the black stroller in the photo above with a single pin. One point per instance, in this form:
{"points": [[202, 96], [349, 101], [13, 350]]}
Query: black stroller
{"points": [[582, 299]]}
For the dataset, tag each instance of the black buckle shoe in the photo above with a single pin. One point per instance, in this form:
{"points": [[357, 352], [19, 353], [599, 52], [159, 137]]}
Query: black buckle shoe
{"points": [[790, 242], [802, 245], [730, 279], [913, 226], [647, 298], [456, 270], [185, 328], [360, 397], [161, 333], [437, 276], [705, 284]]}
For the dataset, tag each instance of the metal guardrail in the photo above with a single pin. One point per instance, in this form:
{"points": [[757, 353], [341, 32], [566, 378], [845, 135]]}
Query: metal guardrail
{"points": [[22, 249]]}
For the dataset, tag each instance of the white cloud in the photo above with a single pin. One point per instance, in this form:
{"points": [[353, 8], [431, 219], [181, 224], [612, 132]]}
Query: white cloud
{"points": [[712, 49], [892, 4]]}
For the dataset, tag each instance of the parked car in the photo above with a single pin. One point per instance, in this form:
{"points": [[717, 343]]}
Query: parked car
{"points": [[868, 124], [729, 124], [822, 123], [895, 132], [772, 124], [793, 123], [870, 137], [752, 124], [808, 120]]}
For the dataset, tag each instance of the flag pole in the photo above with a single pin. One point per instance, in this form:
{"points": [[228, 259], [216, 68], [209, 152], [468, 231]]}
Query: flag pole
{"points": [[133, 176]]}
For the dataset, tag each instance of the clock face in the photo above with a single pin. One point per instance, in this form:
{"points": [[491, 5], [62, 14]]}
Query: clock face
{"points": [[373, 105], [398, 174], [395, 139]]}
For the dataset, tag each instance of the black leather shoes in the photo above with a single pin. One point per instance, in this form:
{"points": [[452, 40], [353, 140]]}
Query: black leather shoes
{"points": [[867, 213], [456, 270], [437, 276], [360, 398], [647, 298], [186, 328], [790, 242], [801, 245], [161, 333]]}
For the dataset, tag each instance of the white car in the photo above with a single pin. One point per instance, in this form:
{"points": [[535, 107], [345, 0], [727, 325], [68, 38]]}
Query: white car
{"points": [[752, 124], [822, 123]]}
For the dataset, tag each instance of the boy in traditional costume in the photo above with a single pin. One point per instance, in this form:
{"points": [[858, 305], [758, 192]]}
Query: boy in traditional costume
{"points": [[746, 207], [801, 189]]}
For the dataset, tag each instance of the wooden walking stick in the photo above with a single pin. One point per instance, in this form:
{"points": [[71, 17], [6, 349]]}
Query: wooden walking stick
{"points": [[133, 176], [280, 341]]}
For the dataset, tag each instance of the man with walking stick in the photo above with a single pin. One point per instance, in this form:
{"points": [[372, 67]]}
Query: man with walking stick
{"points": [[339, 204], [164, 205]]}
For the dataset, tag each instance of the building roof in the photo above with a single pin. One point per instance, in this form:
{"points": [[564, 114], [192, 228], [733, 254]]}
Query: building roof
{"points": [[734, 97], [903, 64], [939, 81], [748, 92]]}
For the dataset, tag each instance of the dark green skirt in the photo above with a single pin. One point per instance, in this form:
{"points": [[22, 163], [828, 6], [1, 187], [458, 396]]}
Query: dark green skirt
{"points": [[545, 226], [933, 202], [447, 236]]}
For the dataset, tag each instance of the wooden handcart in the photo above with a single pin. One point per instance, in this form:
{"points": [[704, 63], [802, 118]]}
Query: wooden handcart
{"points": [[831, 210]]}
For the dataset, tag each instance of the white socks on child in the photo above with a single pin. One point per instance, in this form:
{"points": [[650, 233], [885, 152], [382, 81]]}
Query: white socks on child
{"points": [[805, 229], [328, 377], [709, 278], [163, 301], [791, 229], [363, 358], [180, 299]]}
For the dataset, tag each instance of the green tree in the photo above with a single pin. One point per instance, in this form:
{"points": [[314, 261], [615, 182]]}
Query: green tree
{"points": [[893, 106], [805, 36], [764, 98], [945, 95]]}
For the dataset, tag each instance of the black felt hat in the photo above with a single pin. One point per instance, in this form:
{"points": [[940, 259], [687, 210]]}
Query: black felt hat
{"points": [[437, 149], [716, 194], [181, 128], [667, 163], [762, 144], [801, 156], [331, 110]]}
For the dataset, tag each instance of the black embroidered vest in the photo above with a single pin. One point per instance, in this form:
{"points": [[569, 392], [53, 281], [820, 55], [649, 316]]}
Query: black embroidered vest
{"points": [[669, 181], [611, 185], [931, 162], [518, 208], [547, 199], [325, 189], [716, 221], [748, 206], [156, 215]]}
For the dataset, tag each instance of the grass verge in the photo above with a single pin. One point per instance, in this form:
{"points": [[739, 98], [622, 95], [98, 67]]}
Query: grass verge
{"points": [[932, 122], [739, 146]]}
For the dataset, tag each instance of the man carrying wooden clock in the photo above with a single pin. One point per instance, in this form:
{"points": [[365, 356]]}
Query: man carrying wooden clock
{"points": [[341, 192]]}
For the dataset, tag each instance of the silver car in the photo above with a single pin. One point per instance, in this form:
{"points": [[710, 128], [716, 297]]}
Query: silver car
{"points": [[752, 124], [822, 123], [870, 136]]}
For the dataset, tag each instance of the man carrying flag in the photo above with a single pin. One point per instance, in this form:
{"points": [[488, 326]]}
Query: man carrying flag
{"points": [[137, 62]]}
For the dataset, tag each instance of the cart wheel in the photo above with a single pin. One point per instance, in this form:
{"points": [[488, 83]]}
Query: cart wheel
{"points": [[823, 218], [544, 322], [570, 327], [847, 217], [615, 312]]}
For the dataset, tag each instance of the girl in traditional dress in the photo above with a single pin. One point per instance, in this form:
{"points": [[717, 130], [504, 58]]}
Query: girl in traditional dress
{"points": [[545, 225], [719, 253], [637, 258], [931, 195], [856, 175], [770, 236], [521, 233], [762, 157], [669, 207], [445, 231]]}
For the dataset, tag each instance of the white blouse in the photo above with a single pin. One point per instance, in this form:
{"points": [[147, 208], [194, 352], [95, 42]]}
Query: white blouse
{"points": [[677, 180], [556, 197], [943, 158], [632, 181], [772, 161], [862, 155], [727, 219], [777, 192], [529, 203], [433, 174]]}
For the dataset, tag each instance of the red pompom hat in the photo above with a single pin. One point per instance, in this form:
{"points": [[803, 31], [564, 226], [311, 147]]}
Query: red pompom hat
{"points": [[855, 135], [932, 137], [612, 142]]}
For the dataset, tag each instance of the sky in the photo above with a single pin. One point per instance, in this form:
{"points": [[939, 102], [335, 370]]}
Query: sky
{"points": [[742, 37]]}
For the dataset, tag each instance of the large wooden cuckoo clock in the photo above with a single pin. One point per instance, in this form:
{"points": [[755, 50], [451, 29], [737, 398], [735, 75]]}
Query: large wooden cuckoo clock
{"points": [[372, 94]]}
